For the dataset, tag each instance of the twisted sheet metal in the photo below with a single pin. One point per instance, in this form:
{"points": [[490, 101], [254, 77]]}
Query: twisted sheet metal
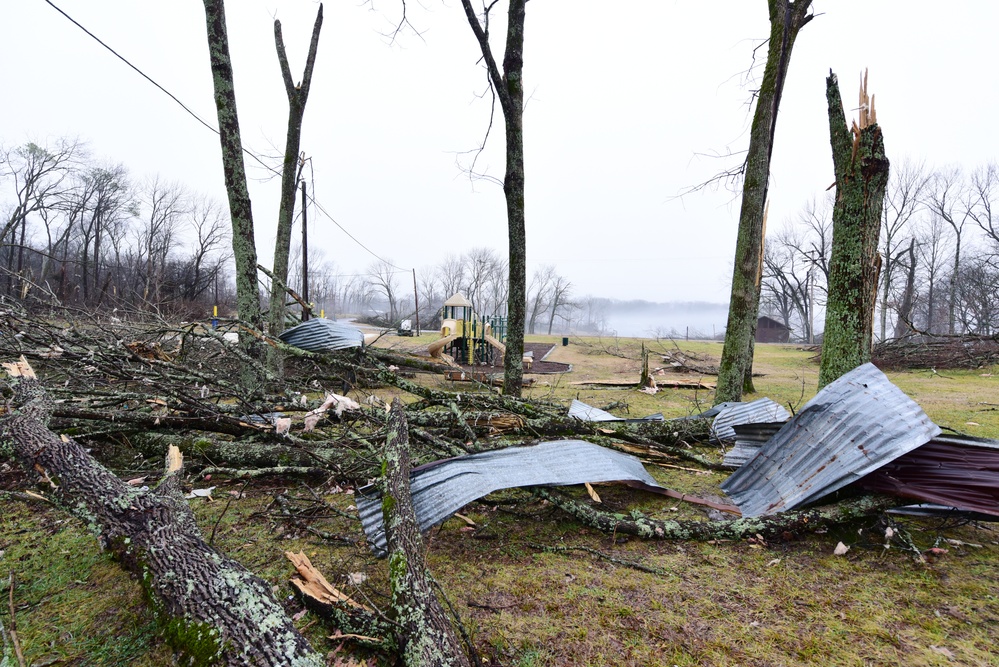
{"points": [[759, 411], [441, 488], [322, 335], [588, 413], [749, 438], [853, 426], [951, 470]]}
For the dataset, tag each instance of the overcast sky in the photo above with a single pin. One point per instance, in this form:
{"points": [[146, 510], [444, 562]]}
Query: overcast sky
{"points": [[623, 97]]}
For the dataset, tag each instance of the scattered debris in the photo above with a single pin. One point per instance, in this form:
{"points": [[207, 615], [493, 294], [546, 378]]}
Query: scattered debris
{"points": [[852, 427], [840, 549], [660, 383], [588, 413]]}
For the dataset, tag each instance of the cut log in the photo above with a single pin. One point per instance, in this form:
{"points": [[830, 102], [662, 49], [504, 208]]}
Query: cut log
{"points": [[212, 608], [426, 634]]}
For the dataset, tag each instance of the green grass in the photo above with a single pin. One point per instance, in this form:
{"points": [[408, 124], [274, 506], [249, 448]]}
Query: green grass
{"points": [[732, 603]]}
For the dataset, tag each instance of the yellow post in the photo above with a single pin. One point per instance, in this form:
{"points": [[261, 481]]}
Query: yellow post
{"points": [[322, 313], [215, 311]]}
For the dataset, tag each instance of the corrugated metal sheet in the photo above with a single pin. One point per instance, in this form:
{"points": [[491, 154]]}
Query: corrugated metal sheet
{"points": [[759, 411], [951, 470], [588, 413], [322, 335], [852, 427], [749, 438], [442, 488]]}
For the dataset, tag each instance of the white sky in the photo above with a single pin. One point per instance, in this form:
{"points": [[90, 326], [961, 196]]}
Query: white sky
{"points": [[623, 96]]}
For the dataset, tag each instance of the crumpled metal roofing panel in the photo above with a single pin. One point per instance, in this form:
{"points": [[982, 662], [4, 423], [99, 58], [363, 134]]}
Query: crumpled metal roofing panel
{"points": [[853, 426], [951, 470], [588, 413], [442, 488], [322, 335], [749, 438], [759, 411]]}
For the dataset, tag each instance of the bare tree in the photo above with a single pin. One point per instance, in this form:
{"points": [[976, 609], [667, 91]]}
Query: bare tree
{"points": [[948, 199], [933, 248], [298, 95], [107, 198], [244, 248], [384, 280], [539, 294], [165, 206], [984, 208], [735, 375], [206, 222], [39, 178], [508, 86], [906, 259], [561, 292], [482, 268], [903, 200]]}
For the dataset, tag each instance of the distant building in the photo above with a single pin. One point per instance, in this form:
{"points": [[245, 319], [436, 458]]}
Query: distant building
{"points": [[769, 330]]}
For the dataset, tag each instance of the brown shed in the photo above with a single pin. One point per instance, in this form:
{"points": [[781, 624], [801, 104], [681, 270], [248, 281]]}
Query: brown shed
{"points": [[769, 330]]}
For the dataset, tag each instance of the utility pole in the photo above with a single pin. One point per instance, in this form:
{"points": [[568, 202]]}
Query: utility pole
{"points": [[306, 312], [416, 299]]}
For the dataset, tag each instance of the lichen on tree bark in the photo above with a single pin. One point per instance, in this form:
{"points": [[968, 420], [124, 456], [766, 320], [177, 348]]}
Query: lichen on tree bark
{"points": [[735, 369], [861, 177], [244, 247]]}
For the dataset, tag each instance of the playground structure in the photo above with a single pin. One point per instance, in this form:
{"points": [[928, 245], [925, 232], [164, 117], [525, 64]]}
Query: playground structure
{"points": [[467, 338]]}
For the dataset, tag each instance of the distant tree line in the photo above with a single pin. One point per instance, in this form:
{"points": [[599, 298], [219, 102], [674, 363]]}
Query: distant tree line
{"points": [[939, 257], [83, 232]]}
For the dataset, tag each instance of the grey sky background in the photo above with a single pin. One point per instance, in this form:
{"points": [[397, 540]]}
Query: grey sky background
{"points": [[623, 97]]}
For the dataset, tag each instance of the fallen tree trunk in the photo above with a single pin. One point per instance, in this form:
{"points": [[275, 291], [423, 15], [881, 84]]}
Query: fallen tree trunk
{"points": [[212, 608], [427, 637]]}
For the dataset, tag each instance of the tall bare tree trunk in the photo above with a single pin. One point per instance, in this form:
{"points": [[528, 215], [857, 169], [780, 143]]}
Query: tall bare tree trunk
{"points": [[297, 97], [244, 247], [736, 368], [509, 87], [861, 177]]}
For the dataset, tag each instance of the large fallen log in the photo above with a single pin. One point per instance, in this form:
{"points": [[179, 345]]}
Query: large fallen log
{"points": [[426, 634], [213, 609]]}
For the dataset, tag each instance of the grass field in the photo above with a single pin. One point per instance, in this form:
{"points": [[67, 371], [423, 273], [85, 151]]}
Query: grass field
{"points": [[534, 587]]}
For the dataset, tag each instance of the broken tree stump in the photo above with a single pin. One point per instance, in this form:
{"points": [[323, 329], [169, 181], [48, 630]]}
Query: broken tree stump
{"points": [[212, 608], [427, 637], [861, 168]]}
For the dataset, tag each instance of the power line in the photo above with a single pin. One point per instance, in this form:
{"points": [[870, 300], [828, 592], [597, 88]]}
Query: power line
{"points": [[214, 130]]}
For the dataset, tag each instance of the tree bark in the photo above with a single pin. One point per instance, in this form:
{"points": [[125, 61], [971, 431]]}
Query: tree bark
{"points": [[212, 608], [244, 247], [861, 177], [427, 637], [735, 370], [509, 87], [297, 97]]}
